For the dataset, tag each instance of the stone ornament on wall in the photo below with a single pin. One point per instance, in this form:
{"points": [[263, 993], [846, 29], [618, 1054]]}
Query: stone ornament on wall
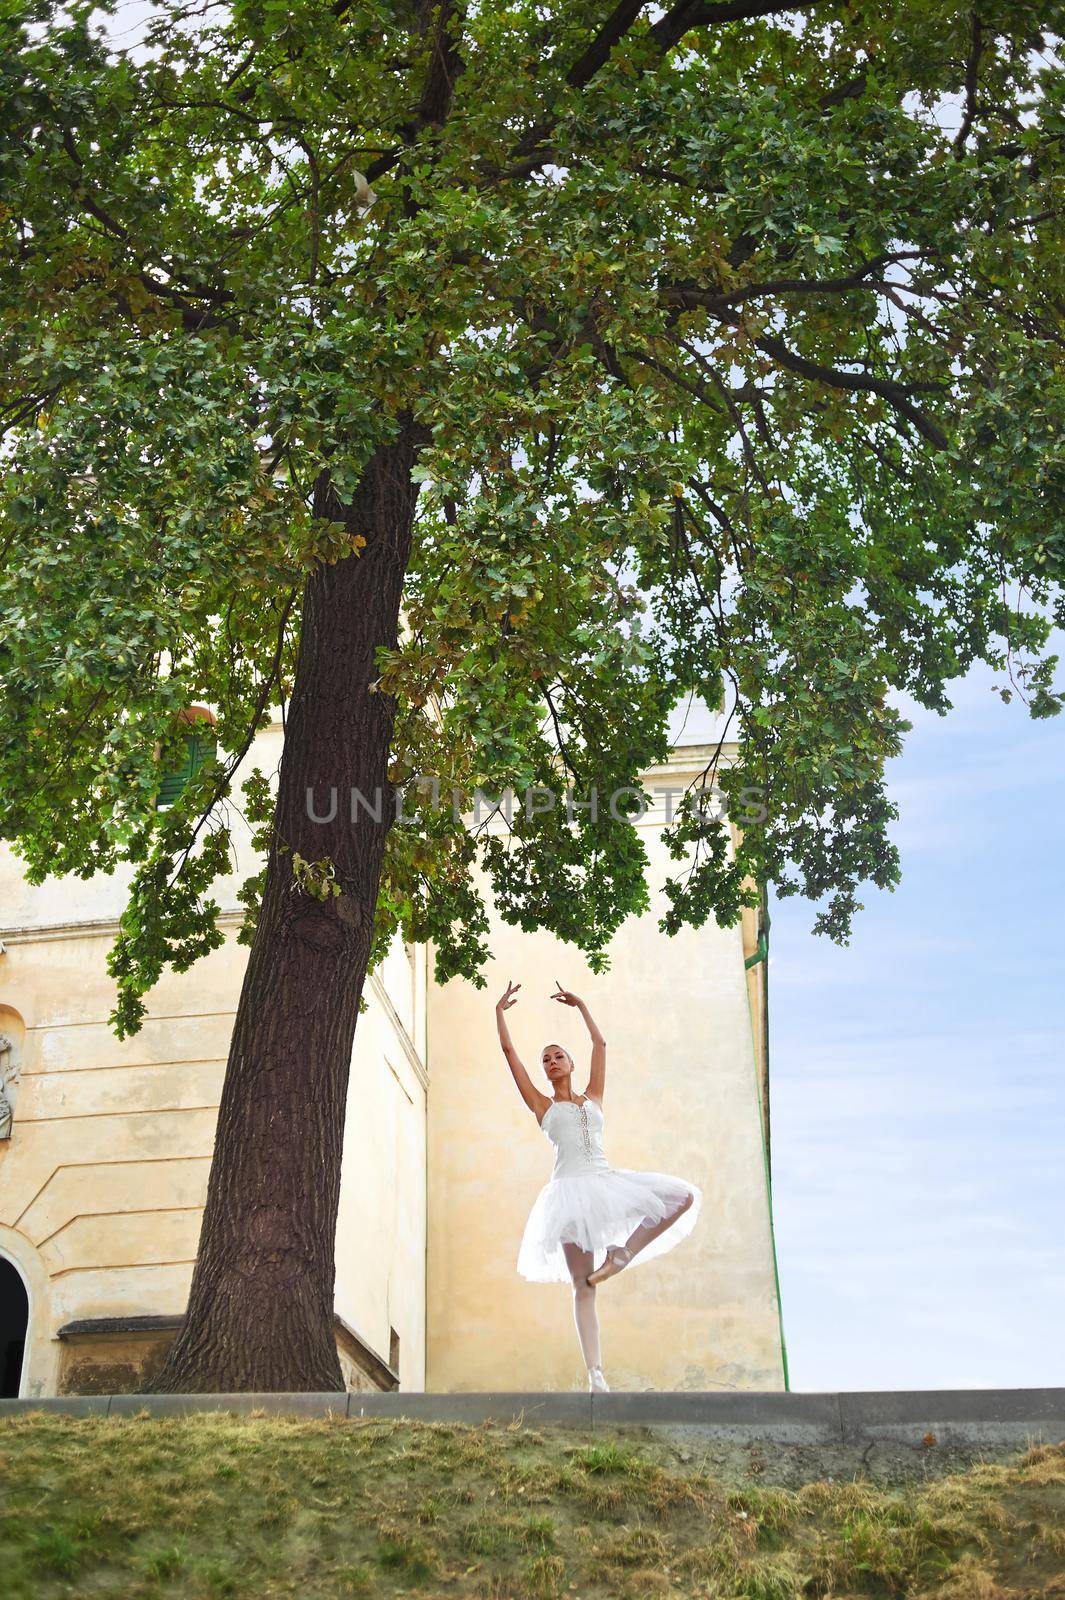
{"points": [[8, 1074]]}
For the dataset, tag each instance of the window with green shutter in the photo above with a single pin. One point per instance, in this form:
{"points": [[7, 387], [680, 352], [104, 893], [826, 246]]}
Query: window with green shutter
{"points": [[198, 749]]}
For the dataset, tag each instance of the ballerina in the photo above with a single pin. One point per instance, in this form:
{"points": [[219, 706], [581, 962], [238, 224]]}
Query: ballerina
{"points": [[589, 1207]]}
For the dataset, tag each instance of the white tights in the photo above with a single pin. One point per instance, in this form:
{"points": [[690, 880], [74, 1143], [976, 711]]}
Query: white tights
{"points": [[581, 1262], [585, 1315]]}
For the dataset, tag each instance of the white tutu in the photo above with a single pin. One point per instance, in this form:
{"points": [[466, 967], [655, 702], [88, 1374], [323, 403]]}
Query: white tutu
{"points": [[592, 1204]]}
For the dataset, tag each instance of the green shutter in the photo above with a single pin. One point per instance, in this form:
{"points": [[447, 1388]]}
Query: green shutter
{"points": [[197, 751]]}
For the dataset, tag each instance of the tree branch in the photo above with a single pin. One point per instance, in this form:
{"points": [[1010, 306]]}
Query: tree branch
{"points": [[686, 296], [529, 154], [445, 65], [896, 394], [613, 30], [972, 67], [699, 14], [89, 203]]}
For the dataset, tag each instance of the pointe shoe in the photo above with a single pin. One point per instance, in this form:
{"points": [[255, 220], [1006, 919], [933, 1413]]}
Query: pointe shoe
{"points": [[616, 1257], [596, 1382]]}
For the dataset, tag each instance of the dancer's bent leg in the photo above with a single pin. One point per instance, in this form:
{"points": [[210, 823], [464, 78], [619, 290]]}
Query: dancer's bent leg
{"points": [[642, 1236], [638, 1239], [585, 1315]]}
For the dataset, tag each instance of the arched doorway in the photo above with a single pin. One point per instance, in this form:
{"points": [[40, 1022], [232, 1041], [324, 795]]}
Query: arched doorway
{"points": [[14, 1320]]}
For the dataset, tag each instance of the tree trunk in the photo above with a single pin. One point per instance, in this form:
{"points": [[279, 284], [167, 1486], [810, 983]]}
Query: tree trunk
{"points": [[260, 1311]]}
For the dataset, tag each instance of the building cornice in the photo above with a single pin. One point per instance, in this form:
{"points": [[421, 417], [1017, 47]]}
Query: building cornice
{"points": [[108, 927], [90, 927]]}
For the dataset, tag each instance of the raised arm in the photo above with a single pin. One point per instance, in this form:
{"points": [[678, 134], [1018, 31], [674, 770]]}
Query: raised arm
{"points": [[536, 1102], [597, 1078]]}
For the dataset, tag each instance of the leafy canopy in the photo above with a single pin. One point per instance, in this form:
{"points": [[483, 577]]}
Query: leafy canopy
{"points": [[733, 334]]}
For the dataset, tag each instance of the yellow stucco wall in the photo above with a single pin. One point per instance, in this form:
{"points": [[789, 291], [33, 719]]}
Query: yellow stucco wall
{"points": [[103, 1180], [681, 1097]]}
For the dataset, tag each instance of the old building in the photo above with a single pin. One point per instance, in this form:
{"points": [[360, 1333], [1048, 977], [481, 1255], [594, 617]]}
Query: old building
{"points": [[104, 1167]]}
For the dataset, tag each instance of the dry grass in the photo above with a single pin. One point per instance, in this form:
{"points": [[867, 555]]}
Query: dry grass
{"points": [[262, 1506]]}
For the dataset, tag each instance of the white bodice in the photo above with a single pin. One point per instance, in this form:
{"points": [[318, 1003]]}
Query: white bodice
{"points": [[576, 1131]]}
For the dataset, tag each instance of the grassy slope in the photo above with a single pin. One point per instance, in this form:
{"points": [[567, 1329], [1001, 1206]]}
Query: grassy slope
{"points": [[258, 1507]]}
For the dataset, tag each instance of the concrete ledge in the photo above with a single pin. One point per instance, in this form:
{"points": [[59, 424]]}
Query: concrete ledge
{"points": [[568, 1410], [729, 1415], [969, 1416], [181, 1405], [72, 1405]]}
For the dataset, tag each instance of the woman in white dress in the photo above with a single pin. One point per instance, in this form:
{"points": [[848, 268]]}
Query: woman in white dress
{"points": [[589, 1209]]}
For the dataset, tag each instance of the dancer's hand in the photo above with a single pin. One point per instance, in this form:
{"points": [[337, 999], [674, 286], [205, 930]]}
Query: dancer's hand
{"points": [[505, 1002], [565, 996]]}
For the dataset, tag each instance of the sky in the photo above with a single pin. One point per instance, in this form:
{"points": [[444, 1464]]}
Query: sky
{"points": [[918, 1078]]}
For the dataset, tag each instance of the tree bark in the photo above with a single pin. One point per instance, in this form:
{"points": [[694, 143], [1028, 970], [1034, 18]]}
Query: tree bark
{"points": [[260, 1311]]}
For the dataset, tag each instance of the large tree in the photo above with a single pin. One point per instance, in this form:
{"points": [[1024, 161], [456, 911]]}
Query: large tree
{"points": [[476, 382]]}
